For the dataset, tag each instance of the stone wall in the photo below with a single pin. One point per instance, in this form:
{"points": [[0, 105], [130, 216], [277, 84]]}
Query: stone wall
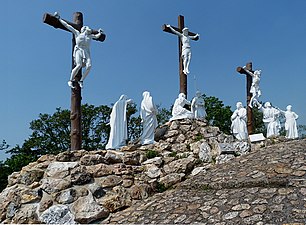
{"points": [[86, 187]]}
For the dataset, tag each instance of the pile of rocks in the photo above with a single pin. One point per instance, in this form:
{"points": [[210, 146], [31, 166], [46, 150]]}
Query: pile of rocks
{"points": [[84, 187]]}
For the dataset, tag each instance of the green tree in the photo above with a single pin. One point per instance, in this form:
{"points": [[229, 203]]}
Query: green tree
{"points": [[259, 126], [163, 115], [218, 114]]}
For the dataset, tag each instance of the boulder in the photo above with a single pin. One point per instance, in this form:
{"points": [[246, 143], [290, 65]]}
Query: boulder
{"points": [[87, 210], [57, 214]]}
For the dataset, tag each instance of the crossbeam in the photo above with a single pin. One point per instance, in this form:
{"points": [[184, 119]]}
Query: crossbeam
{"points": [[54, 22]]}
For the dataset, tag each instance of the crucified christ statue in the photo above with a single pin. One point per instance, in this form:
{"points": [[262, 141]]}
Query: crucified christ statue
{"points": [[186, 50], [81, 51]]}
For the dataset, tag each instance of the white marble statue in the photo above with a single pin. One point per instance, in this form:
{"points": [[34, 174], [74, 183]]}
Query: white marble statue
{"points": [[81, 51], [178, 110], [290, 124], [186, 50], [239, 125], [198, 106], [148, 112], [255, 91], [118, 124], [271, 119]]}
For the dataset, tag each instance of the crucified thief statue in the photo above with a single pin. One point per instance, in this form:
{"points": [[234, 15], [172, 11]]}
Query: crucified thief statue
{"points": [[186, 50], [81, 51], [255, 91]]}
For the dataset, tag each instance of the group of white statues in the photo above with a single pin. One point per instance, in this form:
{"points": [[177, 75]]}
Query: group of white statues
{"points": [[271, 118], [271, 115], [118, 120], [197, 105], [148, 111]]}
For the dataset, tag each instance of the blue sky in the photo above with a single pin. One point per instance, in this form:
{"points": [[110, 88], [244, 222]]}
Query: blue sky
{"points": [[137, 55]]}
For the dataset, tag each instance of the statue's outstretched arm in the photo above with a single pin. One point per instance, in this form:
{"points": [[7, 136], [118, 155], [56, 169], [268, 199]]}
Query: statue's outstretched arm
{"points": [[65, 24], [249, 72], [97, 36], [195, 36], [69, 27], [174, 31]]}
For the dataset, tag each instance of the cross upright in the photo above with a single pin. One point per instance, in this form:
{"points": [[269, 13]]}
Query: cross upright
{"points": [[76, 95], [250, 117], [182, 76]]}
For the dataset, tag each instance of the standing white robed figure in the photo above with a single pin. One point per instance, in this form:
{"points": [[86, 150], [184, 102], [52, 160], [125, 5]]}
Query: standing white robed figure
{"points": [[186, 49], [81, 51], [239, 126], [290, 124], [148, 117], [255, 91], [118, 123], [178, 110], [271, 119], [198, 106]]}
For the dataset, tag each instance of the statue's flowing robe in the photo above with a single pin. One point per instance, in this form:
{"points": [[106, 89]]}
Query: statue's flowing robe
{"points": [[290, 124], [178, 111], [149, 121], [239, 126], [118, 123]]}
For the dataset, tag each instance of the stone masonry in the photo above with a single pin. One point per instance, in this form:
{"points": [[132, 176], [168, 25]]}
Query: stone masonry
{"points": [[193, 174]]}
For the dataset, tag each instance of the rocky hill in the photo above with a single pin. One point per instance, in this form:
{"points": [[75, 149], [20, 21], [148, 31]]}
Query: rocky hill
{"points": [[193, 174]]}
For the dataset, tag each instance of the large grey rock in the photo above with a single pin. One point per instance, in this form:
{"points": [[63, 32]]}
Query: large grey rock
{"points": [[66, 196], [153, 171], [180, 166], [116, 199], [52, 185], [114, 156], [100, 170], [26, 214], [94, 159], [109, 181], [140, 191], [131, 158], [26, 177], [96, 190], [156, 161], [60, 169], [57, 214], [171, 179], [80, 175], [87, 210]]}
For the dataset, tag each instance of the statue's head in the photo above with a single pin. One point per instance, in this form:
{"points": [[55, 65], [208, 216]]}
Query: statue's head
{"points": [[257, 72], [267, 105], [198, 94], [289, 107], [182, 95], [145, 94], [239, 105], [185, 30], [123, 98], [86, 29]]}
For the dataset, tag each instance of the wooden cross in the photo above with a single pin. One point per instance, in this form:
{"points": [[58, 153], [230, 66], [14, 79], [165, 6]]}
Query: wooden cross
{"points": [[76, 96], [250, 116], [183, 77]]}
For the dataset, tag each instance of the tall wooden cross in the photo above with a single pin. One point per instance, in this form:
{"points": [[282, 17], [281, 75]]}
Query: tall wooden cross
{"points": [[183, 77], [250, 117], [76, 96]]}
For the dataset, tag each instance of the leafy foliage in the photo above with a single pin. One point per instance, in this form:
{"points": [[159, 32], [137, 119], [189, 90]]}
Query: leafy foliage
{"points": [[259, 126], [218, 114]]}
